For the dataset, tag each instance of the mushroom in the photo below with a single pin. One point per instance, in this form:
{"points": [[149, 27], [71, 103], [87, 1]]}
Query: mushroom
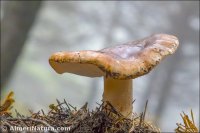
{"points": [[118, 65]]}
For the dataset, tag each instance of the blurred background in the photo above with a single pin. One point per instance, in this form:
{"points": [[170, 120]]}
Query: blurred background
{"points": [[32, 31]]}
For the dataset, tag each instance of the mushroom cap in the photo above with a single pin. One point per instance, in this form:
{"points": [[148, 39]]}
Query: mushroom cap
{"points": [[125, 61]]}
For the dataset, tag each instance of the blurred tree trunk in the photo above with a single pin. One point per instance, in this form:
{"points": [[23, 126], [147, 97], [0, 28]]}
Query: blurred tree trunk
{"points": [[18, 17]]}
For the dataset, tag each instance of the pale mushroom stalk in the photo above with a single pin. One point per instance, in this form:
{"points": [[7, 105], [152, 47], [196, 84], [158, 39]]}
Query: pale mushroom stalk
{"points": [[118, 65], [119, 94]]}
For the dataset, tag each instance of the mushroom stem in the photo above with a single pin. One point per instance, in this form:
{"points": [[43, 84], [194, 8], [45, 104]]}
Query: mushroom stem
{"points": [[119, 94]]}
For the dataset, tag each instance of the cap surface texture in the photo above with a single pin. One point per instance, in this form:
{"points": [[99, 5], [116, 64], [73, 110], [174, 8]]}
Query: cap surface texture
{"points": [[124, 61]]}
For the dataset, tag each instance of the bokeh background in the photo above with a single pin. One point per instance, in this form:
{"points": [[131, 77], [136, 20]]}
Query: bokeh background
{"points": [[32, 31]]}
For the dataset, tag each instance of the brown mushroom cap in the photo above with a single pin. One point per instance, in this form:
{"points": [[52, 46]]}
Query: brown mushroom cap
{"points": [[125, 61]]}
